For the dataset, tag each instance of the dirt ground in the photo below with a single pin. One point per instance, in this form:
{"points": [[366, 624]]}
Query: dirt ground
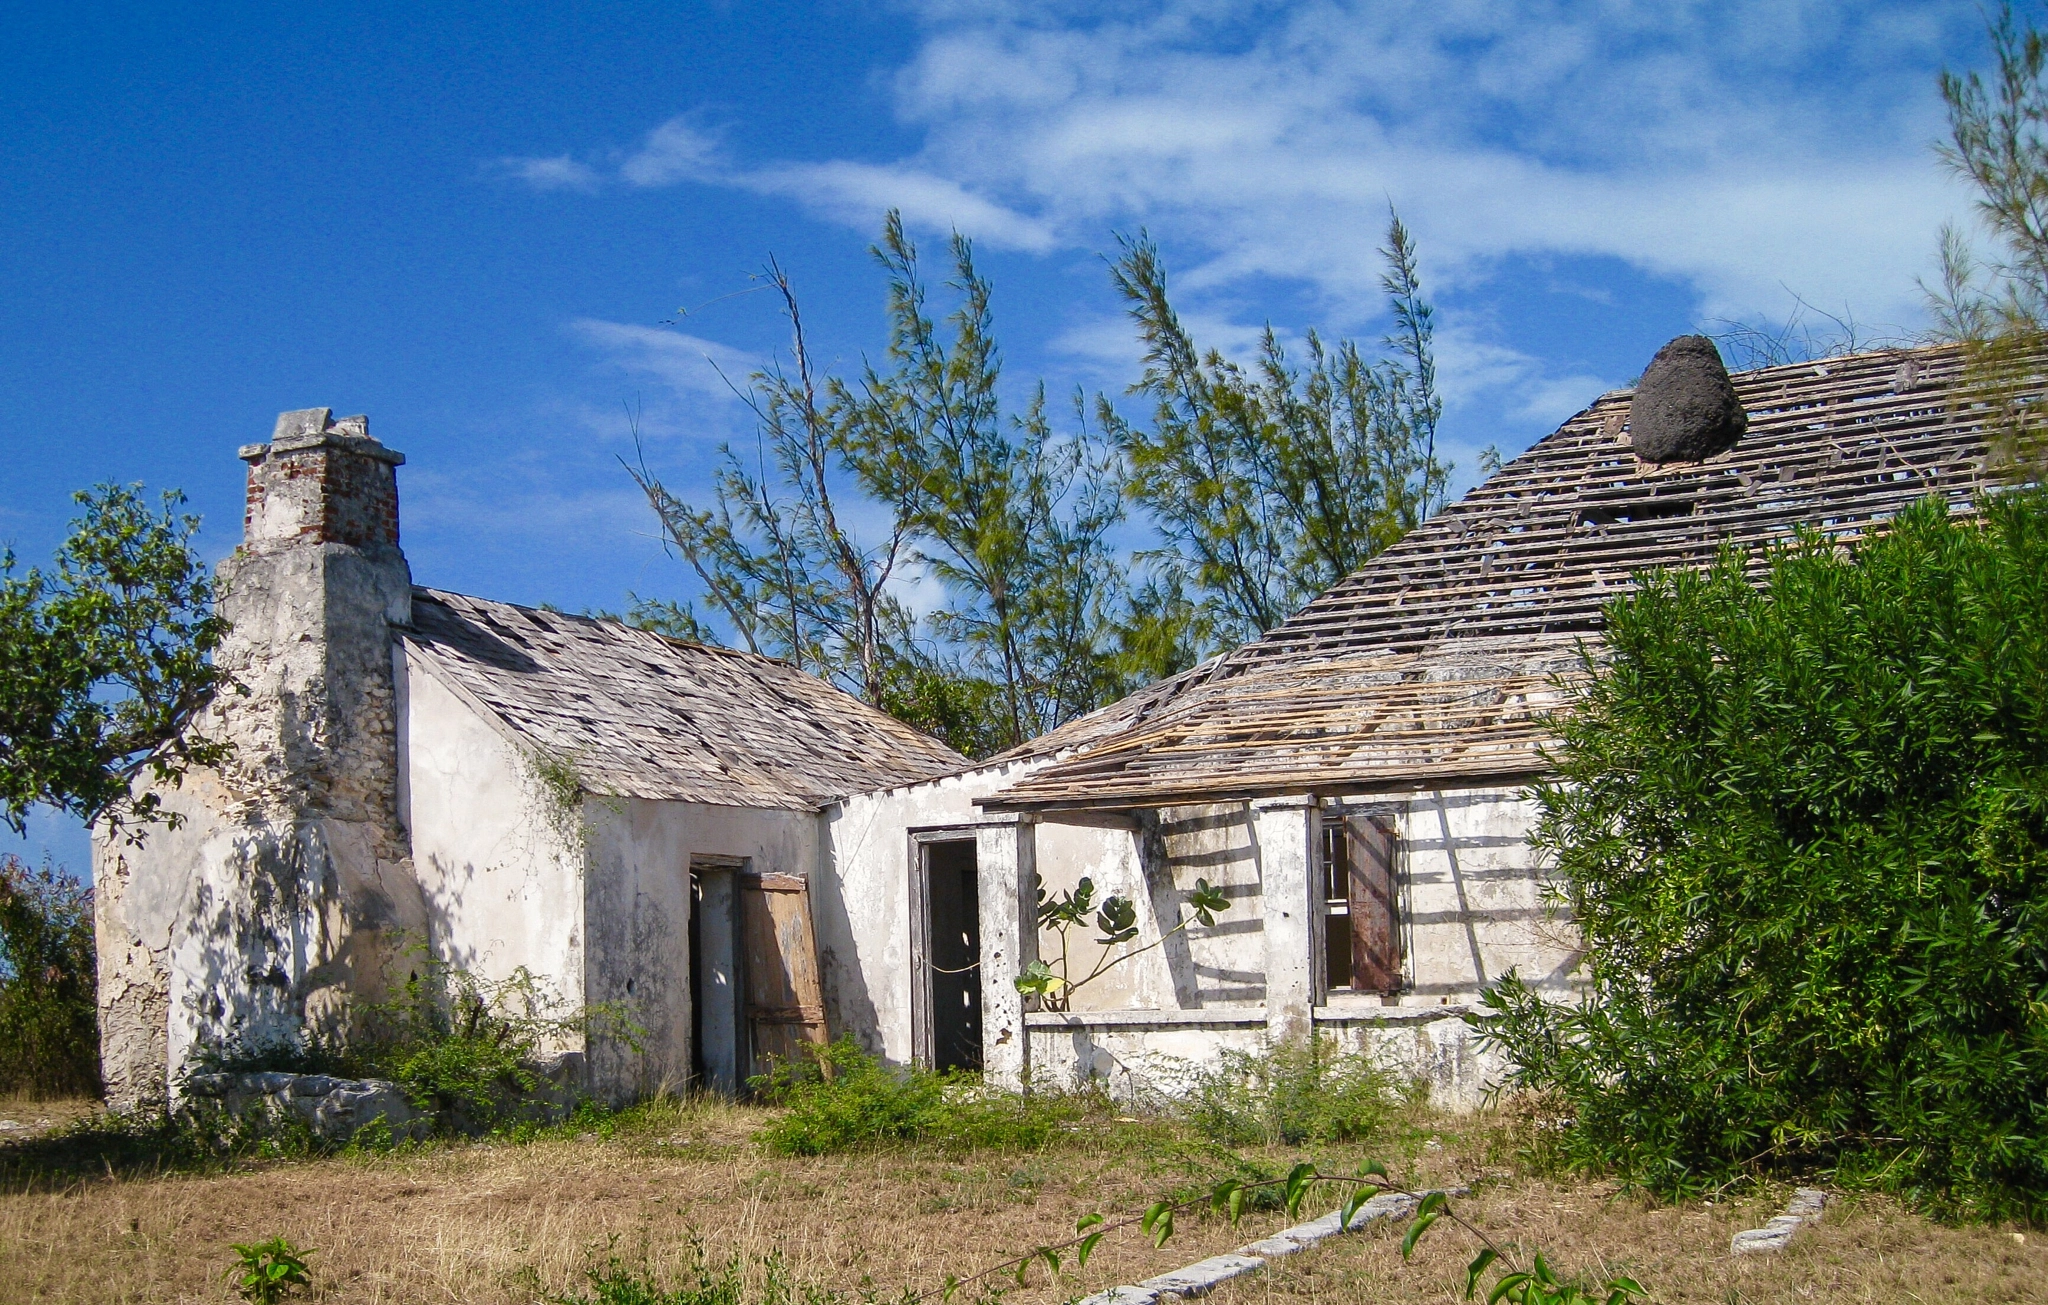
{"points": [[492, 1223]]}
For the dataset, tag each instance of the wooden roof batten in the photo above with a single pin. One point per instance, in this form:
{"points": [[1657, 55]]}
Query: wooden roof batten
{"points": [[1435, 664]]}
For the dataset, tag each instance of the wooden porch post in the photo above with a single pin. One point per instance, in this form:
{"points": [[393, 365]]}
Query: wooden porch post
{"points": [[1006, 860], [1284, 830]]}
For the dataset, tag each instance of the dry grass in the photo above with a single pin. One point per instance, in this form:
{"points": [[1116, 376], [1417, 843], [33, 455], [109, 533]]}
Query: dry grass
{"points": [[23, 1117], [1865, 1249], [503, 1223], [499, 1223]]}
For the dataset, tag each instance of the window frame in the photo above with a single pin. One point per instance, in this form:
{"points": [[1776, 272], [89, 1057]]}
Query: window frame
{"points": [[1335, 820]]}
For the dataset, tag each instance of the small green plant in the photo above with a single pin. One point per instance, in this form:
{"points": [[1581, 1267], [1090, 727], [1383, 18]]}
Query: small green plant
{"points": [[1117, 921], [1537, 1284], [267, 1272], [844, 1098], [466, 1049], [560, 781]]}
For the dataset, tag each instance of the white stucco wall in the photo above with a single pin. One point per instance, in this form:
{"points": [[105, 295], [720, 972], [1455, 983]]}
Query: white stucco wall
{"points": [[1474, 901], [860, 906], [1472, 909], [1199, 968], [499, 864], [637, 904]]}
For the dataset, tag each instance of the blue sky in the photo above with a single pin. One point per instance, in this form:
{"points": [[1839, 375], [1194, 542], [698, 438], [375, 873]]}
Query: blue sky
{"points": [[472, 221]]}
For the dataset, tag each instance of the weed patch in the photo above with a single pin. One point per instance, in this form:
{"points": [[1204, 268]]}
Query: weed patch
{"points": [[845, 1099], [1290, 1094]]}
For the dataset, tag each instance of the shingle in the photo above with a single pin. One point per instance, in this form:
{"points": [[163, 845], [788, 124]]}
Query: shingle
{"points": [[1433, 663], [641, 715]]}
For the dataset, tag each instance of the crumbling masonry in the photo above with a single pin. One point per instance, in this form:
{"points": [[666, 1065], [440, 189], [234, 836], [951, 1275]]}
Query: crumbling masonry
{"points": [[287, 880]]}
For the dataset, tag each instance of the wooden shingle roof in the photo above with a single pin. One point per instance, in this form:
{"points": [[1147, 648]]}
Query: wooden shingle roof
{"points": [[641, 715], [1435, 663]]}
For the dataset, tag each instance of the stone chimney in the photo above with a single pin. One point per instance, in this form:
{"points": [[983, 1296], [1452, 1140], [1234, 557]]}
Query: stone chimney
{"points": [[280, 898], [321, 481]]}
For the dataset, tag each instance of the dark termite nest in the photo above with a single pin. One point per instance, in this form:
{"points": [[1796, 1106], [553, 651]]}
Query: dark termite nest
{"points": [[1685, 409]]}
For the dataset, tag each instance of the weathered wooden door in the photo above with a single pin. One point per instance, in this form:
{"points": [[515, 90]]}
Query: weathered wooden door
{"points": [[1374, 905], [785, 1000]]}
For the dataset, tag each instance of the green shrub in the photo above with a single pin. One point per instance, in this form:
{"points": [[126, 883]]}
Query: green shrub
{"points": [[49, 1029], [845, 1098], [1308, 1090], [1803, 826]]}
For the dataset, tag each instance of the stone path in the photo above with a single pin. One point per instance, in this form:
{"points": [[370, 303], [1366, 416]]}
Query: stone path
{"points": [[1204, 1276], [1804, 1207]]}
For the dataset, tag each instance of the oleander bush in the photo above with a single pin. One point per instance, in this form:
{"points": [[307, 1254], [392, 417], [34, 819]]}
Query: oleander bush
{"points": [[1800, 814]]}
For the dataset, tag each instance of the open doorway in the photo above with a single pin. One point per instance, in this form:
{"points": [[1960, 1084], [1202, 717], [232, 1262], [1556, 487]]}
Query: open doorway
{"points": [[719, 1055], [947, 983]]}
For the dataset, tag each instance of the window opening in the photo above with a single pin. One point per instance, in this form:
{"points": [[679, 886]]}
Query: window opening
{"points": [[1360, 904]]}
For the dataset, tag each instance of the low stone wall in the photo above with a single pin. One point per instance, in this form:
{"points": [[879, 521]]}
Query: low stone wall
{"points": [[1136, 1053], [333, 1108], [1428, 1044]]}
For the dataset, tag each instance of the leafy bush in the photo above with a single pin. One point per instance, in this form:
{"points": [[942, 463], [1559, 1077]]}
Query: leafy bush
{"points": [[845, 1098], [1290, 1093], [1803, 827], [49, 1029]]}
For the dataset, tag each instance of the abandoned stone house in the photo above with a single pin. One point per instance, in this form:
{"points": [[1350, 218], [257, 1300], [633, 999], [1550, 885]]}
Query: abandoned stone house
{"points": [[749, 859]]}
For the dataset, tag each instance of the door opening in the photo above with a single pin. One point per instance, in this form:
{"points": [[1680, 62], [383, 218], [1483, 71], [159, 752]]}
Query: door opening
{"points": [[952, 954], [719, 1055]]}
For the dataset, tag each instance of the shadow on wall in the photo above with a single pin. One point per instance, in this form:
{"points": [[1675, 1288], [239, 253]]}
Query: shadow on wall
{"points": [[1215, 844], [1482, 887], [842, 975], [250, 958]]}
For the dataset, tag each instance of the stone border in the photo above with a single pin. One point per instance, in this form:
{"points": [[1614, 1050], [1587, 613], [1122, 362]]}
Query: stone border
{"points": [[1204, 1276], [1804, 1207]]}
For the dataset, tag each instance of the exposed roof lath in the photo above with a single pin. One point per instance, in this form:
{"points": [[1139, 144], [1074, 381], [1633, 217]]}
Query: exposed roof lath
{"points": [[1429, 666], [640, 715]]}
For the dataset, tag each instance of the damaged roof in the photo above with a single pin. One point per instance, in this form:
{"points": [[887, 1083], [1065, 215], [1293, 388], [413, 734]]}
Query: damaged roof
{"points": [[643, 715], [1436, 662]]}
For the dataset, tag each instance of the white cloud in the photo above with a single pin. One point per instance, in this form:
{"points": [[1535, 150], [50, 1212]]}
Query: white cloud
{"points": [[560, 172], [675, 151], [860, 193], [689, 365], [1741, 148], [679, 151]]}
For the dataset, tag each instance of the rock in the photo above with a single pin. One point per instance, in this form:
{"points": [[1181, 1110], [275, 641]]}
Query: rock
{"points": [[333, 1108], [1685, 409], [1202, 1277]]}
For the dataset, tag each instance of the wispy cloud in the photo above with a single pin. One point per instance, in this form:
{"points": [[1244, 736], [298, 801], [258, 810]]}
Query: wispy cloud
{"points": [[1738, 149], [858, 194], [678, 150], [560, 172], [688, 365]]}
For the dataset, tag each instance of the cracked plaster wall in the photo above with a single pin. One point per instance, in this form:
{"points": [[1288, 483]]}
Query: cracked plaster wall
{"points": [[281, 895]]}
